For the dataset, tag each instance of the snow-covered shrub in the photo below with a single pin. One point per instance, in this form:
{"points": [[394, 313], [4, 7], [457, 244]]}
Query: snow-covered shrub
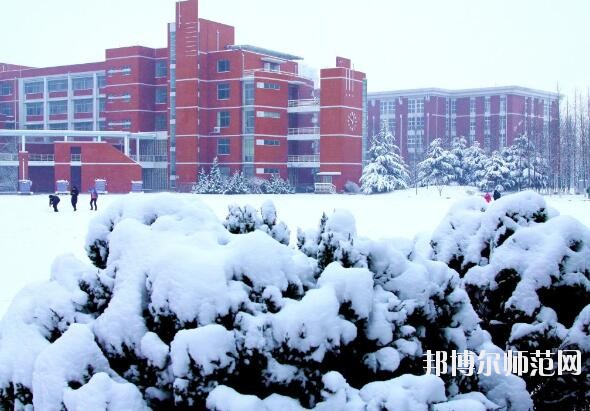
{"points": [[527, 272], [276, 185], [245, 220], [178, 313], [351, 187]]}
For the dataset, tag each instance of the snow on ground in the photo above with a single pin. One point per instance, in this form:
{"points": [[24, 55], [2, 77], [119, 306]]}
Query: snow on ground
{"points": [[32, 235]]}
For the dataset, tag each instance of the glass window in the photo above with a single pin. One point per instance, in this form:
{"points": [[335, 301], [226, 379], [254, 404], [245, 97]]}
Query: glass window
{"points": [[387, 108], [223, 146], [102, 104], [5, 88], [487, 105], [223, 91], [271, 171], [160, 122], [83, 106], [272, 143], [453, 106], [268, 85], [102, 125], [248, 93], [472, 126], [274, 67], [472, 105], [222, 66], [6, 109], [34, 88], [34, 109], [82, 83], [85, 126], [58, 126], [503, 104], [101, 80], [34, 127], [57, 85], [161, 94], [249, 121], [58, 107], [248, 149], [161, 68], [223, 118]]}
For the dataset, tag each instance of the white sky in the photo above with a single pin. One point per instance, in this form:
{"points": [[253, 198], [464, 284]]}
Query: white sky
{"points": [[398, 43]]}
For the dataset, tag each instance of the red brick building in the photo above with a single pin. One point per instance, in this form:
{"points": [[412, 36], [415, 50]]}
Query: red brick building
{"points": [[177, 108], [492, 116]]}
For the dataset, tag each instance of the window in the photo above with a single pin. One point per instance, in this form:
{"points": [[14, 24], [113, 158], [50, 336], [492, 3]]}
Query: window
{"points": [[6, 109], [391, 125], [472, 126], [82, 83], [453, 107], [387, 108], [224, 171], [34, 109], [161, 68], [58, 126], [503, 104], [486, 126], [271, 143], [5, 88], [102, 105], [102, 125], [223, 119], [123, 124], [34, 88], [222, 66], [487, 105], [270, 171], [83, 106], [248, 93], [420, 105], [161, 94], [101, 80], [274, 67], [248, 149], [223, 146], [160, 122], [223, 91], [472, 106], [34, 127], [249, 121], [57, 85], [85, 126], [125, 70], [268, 114], [268, 86], [124, 97], [58, 107], [411, 105]]}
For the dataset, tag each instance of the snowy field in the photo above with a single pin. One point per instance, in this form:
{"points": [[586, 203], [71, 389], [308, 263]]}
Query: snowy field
{"points": [[32, 234]]}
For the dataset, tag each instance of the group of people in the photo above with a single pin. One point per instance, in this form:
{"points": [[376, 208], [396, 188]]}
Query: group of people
{"points": [[74, 192], [496, 195]]}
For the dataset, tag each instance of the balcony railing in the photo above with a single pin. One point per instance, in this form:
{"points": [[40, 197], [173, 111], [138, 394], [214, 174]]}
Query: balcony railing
{"points": [[304, 102], [41, 157], [8, 157], [303, 130], [305, 158], [250, 73]]}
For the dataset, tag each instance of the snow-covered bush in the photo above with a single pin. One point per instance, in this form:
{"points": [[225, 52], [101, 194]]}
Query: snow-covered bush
{"points": [[527, 272], [177, 312], [276, 185], [351, 187], [245, 220]]}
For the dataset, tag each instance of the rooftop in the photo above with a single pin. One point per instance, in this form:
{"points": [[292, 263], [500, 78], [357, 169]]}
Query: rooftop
{"points": [[260, 50], [432, 91]]}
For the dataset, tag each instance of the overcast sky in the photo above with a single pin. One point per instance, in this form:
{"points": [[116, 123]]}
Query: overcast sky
{"points": [[399, 44]]}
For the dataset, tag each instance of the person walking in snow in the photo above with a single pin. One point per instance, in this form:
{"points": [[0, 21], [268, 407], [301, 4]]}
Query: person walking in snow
{"points": [[74, 194], [93, 198], [497, 194], [487, 197], [53, 201]]}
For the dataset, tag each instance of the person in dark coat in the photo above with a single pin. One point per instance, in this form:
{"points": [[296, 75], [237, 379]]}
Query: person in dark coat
{"points": [[93, 198], [74, 193], [53, 201], [497, 194]]}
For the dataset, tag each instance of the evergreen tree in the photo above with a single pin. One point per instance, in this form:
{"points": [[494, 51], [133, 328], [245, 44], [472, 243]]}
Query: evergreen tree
{"points": [[386, 170], [496, 173], [217, 182], [237, 184], [437, 168], [203, 185], [459, 151], [474, 164], [276, 185]]}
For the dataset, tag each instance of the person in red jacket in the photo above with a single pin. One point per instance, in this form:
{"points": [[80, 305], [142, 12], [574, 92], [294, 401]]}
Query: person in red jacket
{"points": [[487, 197]]}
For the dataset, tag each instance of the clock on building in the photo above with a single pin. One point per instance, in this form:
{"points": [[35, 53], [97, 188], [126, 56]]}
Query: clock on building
{"points": [[352, 120]]}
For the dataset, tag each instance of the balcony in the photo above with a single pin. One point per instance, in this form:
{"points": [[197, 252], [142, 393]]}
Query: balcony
{"points": [[303, 133], [304, 161], [311, 105]]}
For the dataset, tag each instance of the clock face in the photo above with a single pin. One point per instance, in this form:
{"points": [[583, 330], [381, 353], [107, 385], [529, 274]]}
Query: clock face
{"points": [[352, 120]]}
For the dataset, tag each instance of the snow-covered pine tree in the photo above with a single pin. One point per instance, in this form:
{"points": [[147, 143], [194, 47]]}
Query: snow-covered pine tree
{"points": [[276, 185], [474, 164], [217, 183], [459, 151], [202, 185], [437, 168], [496, 173], [237, 184], [386, 170]]}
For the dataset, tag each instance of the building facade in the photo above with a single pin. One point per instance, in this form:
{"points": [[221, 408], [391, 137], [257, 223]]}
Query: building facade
{"points": [[494, 117], [171, 111]]}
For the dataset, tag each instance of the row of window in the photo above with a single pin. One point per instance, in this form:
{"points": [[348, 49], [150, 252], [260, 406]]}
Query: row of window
{"points": [[223, 146], [223, 118], [59, 85], [61, 107]]}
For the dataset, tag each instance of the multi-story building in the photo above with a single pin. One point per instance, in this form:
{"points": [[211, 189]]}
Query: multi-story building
{"points": [[492, 116], [160, 115]]}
